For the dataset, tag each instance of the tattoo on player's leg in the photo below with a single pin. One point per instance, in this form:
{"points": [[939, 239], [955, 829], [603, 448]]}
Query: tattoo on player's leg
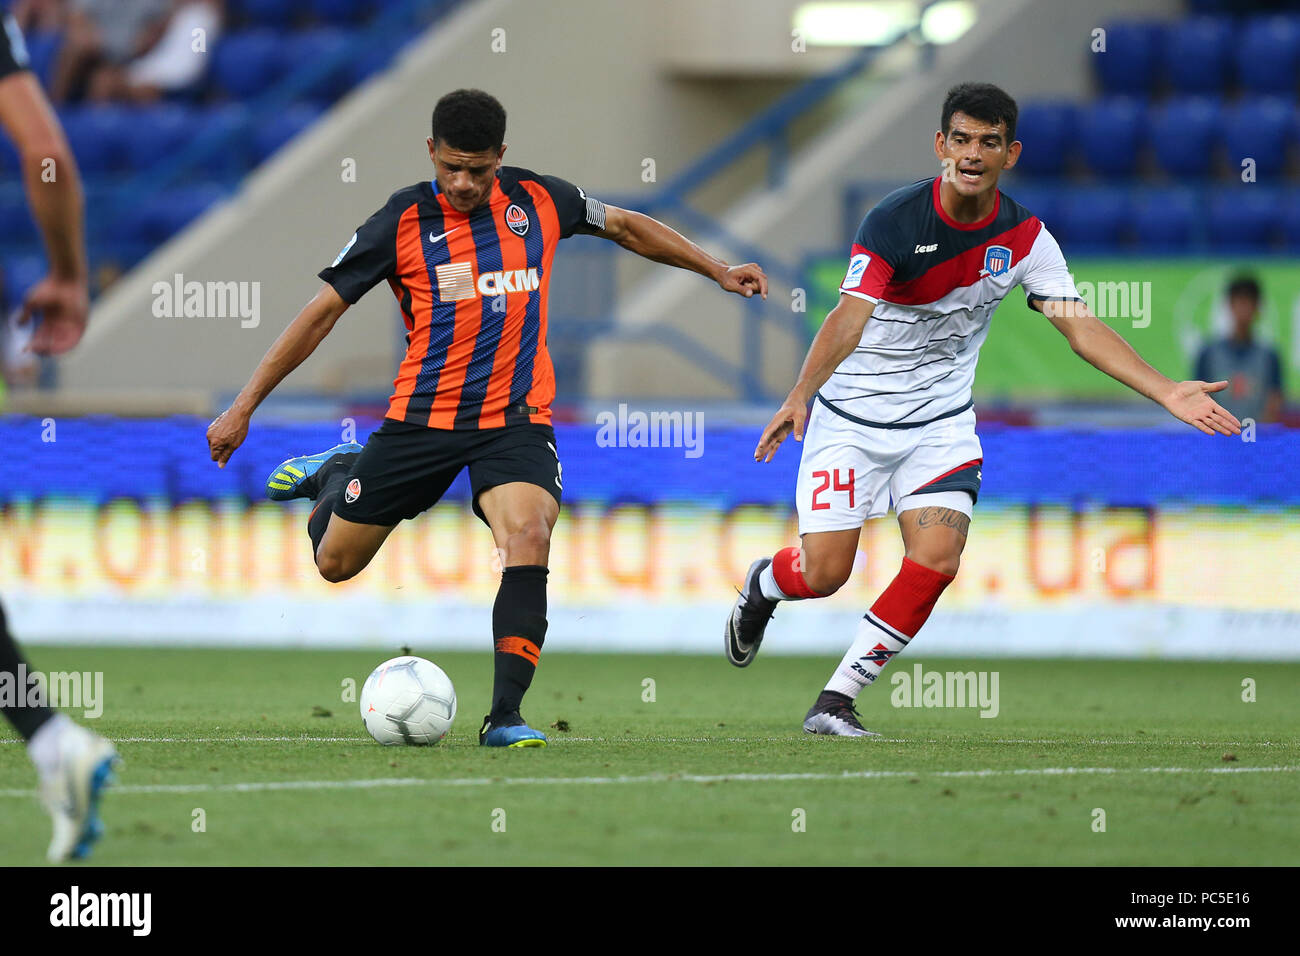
{"points": [[934, 517]]}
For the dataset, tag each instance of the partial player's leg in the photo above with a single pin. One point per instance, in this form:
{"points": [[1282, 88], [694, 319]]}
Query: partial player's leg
{"points": [[521, 516], [74, 765], [934, 533], [517, 492], [843, 474], [935, 487]]}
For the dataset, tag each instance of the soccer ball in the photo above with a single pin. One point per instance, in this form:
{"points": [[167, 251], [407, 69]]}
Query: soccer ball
{"points": [[408, 700]]}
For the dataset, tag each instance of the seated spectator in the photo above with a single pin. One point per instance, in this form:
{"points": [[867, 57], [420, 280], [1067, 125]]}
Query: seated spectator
{"points": [[104, 32], [1252, 369], [171, 64]]}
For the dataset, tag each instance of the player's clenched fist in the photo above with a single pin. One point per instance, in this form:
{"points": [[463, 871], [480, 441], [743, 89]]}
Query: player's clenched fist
{"points": [[226, 433], [789, 418], [744, 280]]}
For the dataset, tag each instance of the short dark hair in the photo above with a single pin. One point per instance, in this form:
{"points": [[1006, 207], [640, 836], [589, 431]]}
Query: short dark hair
{"points": [[469, 120], [981, 101], [1244, 285]]}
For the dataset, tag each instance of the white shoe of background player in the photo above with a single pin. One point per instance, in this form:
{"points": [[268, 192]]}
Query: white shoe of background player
{"points": [[75, 767]]}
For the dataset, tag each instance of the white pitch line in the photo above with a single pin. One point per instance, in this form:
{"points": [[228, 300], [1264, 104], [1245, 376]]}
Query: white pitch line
{"points": [[274, 785], [251, 738]]}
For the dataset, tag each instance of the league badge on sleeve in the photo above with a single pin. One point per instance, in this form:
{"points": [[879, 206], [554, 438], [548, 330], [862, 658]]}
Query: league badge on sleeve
{"points": [[857, 269], [997, 260]]}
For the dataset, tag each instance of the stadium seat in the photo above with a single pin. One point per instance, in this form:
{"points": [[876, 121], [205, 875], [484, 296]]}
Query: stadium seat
{"points": [[283, 127], [1166, 220], [154, 133], [1131, 59], [98, 137], [20, 274], [246, 63], [1268, 54], [266, 13], [1092, 220], [1112, 131], [16, 223], [1197, 54], [1291, 220], [323, 50], [342, 11], [226, 127], [1244, 219], [1046, 129], [1042, 200], [9, 161], [1259, 129], [167, 212], [43, 49], [1183, 133]]}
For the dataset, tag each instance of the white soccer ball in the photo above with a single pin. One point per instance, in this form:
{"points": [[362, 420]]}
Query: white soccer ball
{"points": [[408, 700]]}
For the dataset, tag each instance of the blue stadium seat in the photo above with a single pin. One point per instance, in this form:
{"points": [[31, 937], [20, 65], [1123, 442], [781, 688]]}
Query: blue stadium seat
{"points": [[1291, 220], [1244, 219], [20, 274], [1046, 129], [1259, 128], [316, 48], [247, 62], [1041, 200], [1197, 54], [266, 13], [98, 137], [1268, 54], [1092, 219], [43, 48], [227, 125], [1166, 220], [1132, 56], [1183, 133], [167, 212], [342, 11], [16, 224], [156, 132], [9, 161], [283, 127], [1112, 132]]}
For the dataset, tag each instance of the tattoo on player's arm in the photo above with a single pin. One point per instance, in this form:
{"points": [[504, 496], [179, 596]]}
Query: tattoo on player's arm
{"points": [[933, 517]]}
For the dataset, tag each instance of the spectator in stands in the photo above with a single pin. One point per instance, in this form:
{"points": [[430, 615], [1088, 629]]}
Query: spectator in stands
{"points": [[104, 32], [171, 64], [1252, 369]]}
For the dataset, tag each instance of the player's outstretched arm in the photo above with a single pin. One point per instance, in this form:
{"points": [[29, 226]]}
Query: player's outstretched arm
{"points": [[834, 342], [1102, 347], [288, 351], [650, 238], [54, 193]]}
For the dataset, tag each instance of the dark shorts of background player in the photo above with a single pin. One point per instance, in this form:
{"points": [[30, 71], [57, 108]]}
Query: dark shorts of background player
{"points": [[405, 469]]}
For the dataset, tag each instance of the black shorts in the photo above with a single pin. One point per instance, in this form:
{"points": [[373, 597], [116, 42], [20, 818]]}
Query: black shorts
{"points": [[404, 469]]}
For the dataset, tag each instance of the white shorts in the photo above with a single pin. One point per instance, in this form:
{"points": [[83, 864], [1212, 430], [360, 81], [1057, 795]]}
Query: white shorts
{"points": [[851, 472]]}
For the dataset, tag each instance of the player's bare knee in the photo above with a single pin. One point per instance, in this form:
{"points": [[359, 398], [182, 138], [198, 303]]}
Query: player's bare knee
{"points": [[333, 566], [826, 579], [944, 562], [529, 543]]}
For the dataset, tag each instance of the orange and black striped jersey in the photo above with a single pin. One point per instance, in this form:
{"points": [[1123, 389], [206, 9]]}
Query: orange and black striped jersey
{"points": [[472, 289]]}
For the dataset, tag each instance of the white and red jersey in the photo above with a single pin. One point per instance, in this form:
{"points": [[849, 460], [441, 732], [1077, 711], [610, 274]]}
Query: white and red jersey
{"points": [[936, 283]]}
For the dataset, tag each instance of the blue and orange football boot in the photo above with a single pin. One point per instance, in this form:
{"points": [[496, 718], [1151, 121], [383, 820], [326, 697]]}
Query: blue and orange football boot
{"points": [[509, 731], [294, 477]]}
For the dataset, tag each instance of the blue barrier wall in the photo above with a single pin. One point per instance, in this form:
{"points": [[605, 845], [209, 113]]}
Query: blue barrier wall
{"points": [[100, 458]]}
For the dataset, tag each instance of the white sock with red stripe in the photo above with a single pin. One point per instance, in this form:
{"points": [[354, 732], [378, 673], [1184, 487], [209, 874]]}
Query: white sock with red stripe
{"points": [[886, 629]]}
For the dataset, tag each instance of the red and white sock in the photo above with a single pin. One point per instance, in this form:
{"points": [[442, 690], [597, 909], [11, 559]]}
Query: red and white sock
{"points": [[783, 580], [886, 629]]}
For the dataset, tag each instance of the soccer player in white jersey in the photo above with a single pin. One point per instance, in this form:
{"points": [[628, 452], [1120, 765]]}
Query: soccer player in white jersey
{"points": [[889, 377]]}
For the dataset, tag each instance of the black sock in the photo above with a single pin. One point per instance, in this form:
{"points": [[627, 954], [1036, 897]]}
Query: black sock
{"points": [[320, 516], [26, 719], [518, 631]]}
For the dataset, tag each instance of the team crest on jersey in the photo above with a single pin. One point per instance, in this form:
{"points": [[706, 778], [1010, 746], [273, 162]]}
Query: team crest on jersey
{"points": [[997, 260], [353, 491], [517, 220]]}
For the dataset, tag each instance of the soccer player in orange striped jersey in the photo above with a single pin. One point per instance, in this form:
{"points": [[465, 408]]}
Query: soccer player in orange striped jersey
{"points": [[468, 256]]}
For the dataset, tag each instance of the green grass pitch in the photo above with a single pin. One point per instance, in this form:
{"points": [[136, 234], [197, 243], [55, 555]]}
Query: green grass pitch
{"points": [[259, 748]]}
